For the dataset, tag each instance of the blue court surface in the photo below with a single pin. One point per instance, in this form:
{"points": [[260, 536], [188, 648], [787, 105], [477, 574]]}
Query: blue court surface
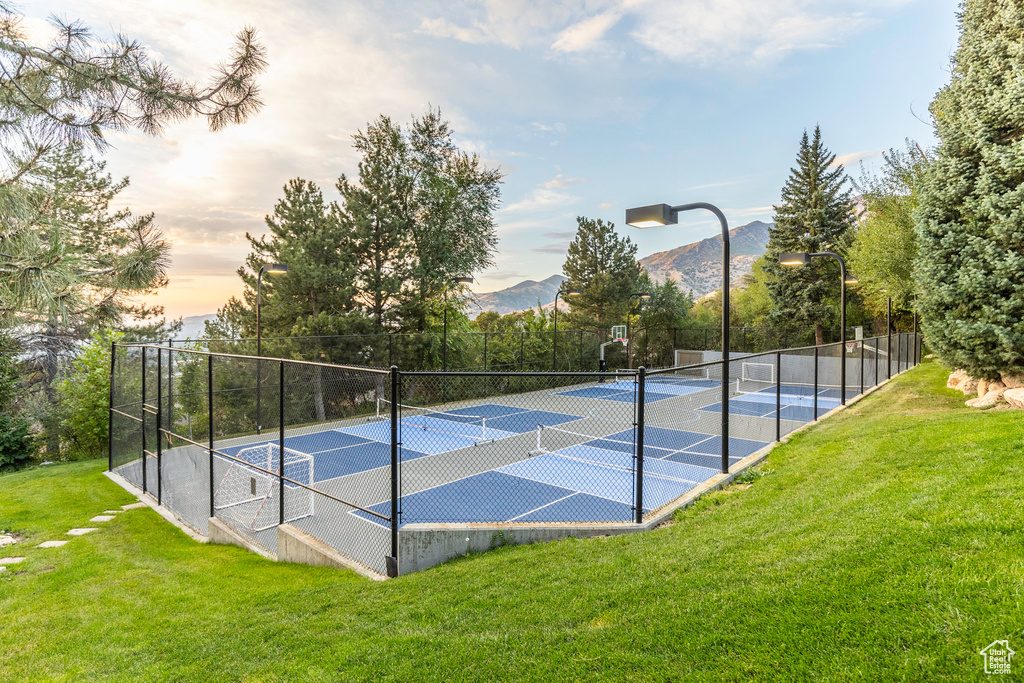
{"points": [[337, 453], [589, 482], [797, 403]]}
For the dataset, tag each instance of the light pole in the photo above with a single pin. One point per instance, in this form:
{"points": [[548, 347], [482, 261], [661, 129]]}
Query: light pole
{"points": [[641, 297], [272, 269], [460, 280], [663, 214], [804, 259], [554, 343]]}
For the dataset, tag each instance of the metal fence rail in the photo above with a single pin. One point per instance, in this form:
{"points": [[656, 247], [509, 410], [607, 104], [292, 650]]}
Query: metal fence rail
{"points": [[351, 454]]}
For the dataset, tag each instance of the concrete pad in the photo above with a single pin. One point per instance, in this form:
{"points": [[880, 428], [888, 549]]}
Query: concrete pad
{"points": [[51, 544], [11, 560], [102, 518], [133, 506], [81, 532]]}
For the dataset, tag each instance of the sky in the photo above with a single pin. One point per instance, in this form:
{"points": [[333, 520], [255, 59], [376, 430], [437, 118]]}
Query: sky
{"points": [[587, 106]]}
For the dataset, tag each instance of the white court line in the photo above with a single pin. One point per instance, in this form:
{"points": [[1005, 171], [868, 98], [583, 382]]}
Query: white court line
{"points": [[530, 512]]}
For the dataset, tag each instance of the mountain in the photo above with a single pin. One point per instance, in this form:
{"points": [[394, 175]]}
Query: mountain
{"points": [[518, 297], [194, 326], [698, 266]]}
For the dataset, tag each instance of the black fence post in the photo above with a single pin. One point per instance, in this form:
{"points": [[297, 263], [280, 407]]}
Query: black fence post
{"points": [[816, 383], [110, 411], [862, 366], [641, 381], [209, 409], [522, 350], [280, 441], [391, 345], [145, 464], [392, 561], [888, 341], [159, 426], [485, 352], [170, 389], [778, 395]]}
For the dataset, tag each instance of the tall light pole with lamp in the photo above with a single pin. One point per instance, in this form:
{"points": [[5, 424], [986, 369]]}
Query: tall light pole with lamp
{"points": [[804, 259], [663, 214], [272, 269], [554, 343]]}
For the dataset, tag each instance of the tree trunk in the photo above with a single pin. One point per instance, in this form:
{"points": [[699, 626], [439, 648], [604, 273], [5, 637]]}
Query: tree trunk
{"points": [[819, 334]]}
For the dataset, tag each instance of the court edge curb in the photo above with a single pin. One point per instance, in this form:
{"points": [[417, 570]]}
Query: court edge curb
{"points": [[150, 501]]}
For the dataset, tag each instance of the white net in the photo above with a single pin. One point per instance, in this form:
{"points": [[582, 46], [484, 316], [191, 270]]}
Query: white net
{"points": [[759, 372], [248, 495]]}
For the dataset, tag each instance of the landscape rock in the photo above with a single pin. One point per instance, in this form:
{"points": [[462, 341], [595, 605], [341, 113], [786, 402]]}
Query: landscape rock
{"points": [[1013, 381], [967, 386], [989, 400], [1015, 397], [982, 387], [955, 378]]}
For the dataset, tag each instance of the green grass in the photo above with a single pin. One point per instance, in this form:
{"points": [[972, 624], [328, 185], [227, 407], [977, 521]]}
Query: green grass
{"points": [[886, 543]]}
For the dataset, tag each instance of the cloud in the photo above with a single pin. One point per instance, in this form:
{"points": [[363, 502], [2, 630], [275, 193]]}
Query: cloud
{"points": [[566, 235], [560, 181], [586, 34], [854, 157], [556, 249], [505, 275], [546, 128], [540, 199], [604, 206], [688, 31]]}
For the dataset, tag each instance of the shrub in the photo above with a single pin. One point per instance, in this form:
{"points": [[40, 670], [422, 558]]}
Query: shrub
{"points": [[84, 398]]}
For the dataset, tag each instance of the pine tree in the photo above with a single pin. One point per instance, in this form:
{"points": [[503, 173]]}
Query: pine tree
{"points": [[815, 215], [69, 93], [306, 235], [970, 265], [603, 267]]}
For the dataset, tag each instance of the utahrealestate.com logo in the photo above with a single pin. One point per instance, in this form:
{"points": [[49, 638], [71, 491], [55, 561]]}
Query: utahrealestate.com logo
{"points": [[997, 657]]}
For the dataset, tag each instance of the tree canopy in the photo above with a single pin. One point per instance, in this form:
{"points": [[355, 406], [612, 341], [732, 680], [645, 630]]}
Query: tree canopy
{"points": [[971, 255], [815, 215], [603, 267]]}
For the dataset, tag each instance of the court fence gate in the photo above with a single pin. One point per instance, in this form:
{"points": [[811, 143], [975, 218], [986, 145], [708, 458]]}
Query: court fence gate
{"points": [[351, 456]]}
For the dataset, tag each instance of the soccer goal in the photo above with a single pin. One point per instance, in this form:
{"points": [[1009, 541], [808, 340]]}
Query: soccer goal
{"points": [[248, 493], [758, 372]]}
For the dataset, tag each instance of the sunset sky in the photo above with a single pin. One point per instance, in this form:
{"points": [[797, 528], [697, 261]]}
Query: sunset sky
{"points": [[588, 107]]}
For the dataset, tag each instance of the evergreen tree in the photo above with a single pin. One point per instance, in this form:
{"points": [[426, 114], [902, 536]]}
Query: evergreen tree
{"points": [[54, 99], [885, 243], [970, 264], [378, 218], [603, 267], [815, 215], [306, 235]]}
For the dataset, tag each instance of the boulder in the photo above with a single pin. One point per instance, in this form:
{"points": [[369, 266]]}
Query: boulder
{"points": [[1015, 397], [955, 378], [967, 386], [1013, 381], [990, 399], [982, 387]]}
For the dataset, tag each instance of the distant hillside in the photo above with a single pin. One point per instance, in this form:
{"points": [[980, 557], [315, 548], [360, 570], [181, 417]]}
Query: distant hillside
{"points": [[698, 266], [517, 297], [194, 326]]}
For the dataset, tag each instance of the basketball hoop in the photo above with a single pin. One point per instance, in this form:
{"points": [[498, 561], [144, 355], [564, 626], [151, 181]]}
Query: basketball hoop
{"points": [[851, 346]]}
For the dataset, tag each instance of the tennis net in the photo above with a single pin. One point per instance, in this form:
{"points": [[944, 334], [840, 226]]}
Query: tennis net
{"points": [[445, 422]]}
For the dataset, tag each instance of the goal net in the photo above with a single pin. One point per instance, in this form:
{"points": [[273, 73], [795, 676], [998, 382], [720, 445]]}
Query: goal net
{"points": [[248, 494]]}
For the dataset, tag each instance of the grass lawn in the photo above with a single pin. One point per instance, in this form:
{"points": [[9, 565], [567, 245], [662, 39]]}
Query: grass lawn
{"points": [[886, 543]]}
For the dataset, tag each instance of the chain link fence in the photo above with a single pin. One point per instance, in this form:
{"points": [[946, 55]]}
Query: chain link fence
{"points": [[349, 455]]}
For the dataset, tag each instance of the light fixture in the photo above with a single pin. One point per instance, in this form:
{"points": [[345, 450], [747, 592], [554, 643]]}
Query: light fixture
{"points": [[651, 216], [795, 259]]}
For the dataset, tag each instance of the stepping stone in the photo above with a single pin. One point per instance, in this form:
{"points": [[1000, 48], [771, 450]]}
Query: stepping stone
{"points": [[112, 512], [51, 544], [81, 532], [102, 518], [12, 560], [133, 506]]}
